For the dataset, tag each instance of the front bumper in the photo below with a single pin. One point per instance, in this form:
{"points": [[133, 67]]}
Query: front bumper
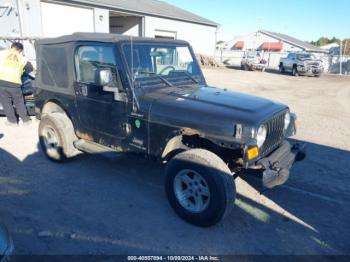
{"points": [[257, 66], [310, 70], [276, 166]]}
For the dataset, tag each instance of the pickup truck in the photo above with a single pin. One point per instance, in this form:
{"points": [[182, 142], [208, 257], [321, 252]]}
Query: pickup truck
{"points": [[301, 64], [253, 60]]}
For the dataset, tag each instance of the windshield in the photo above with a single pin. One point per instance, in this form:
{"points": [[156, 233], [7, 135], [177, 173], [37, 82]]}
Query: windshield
{"points": [[252, 54], [165, 61], [305, 56]]}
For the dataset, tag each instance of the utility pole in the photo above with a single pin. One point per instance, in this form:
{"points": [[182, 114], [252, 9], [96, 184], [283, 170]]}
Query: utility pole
{"points": [[20, 18], [340, 57]]}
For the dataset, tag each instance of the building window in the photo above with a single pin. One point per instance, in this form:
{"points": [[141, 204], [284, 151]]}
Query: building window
{"points": [[172, 35]]}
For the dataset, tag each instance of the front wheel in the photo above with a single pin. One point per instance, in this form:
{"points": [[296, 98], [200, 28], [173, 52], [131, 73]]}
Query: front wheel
{"points": [[56, 135], [295, 71], [200, 187]]}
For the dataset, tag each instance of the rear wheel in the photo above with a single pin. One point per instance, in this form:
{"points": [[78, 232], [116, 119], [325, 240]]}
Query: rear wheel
{"points": [[56, 135], [281, 69], [200, 187]]}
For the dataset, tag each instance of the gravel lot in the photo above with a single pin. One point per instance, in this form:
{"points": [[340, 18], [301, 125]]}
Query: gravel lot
{"points": [[116, 204]]}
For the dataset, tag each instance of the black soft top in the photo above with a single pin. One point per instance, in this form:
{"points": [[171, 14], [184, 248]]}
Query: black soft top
{"points": [[55, 57], [101, 37]]}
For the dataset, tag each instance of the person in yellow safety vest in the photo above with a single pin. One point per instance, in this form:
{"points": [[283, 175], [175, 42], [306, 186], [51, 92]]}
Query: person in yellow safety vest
{"points": [[12, 63]]}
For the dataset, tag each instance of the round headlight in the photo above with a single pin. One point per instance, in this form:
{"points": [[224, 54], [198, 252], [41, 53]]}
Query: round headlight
{"points": [[286, 120], [261, 135]]}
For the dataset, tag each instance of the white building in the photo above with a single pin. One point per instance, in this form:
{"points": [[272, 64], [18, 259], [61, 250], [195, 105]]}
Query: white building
{"points": [[272, 42], [332, 48], [272, 47], [147, 18]]}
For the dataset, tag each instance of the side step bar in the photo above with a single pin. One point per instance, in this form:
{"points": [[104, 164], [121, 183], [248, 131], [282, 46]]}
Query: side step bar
{"points": [[92, 147]]}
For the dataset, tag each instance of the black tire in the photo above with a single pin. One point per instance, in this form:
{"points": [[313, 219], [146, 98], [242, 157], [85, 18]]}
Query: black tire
{"points": [[218, 178], [295, 71], [281, 69], [60, 127]]}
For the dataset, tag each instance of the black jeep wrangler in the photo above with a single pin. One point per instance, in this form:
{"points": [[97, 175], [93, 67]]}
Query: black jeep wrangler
{"points": [[102, 92]]}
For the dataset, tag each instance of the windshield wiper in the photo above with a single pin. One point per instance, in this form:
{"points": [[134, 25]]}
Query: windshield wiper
{"points": [[159, 76], [187, 74]]}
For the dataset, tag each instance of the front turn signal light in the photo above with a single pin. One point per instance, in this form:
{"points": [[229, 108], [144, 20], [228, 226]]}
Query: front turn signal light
{"points": [[252, 153], [296, 123]]}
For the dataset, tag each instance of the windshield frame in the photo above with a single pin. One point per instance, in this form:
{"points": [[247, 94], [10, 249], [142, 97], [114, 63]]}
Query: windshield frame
{"points": [[198, 77]]}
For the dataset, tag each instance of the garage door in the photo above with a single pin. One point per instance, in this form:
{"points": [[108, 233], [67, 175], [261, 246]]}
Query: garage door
{"points": [[61, 19]]}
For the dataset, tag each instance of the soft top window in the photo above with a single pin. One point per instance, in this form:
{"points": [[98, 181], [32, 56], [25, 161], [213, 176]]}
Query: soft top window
{"points": [[91, 58], [54, 66]]}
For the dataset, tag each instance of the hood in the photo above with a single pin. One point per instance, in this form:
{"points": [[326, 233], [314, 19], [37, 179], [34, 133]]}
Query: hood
{"points": [[210, 96], [209, 108], [309, 60]]}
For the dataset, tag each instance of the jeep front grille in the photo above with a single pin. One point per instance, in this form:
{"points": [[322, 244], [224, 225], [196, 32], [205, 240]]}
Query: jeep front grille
{"points": [[275, 133]]}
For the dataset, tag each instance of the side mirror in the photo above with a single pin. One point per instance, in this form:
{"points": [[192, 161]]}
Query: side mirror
{"points": [[105, 77]]}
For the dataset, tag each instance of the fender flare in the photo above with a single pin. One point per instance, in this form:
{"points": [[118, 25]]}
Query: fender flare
{"points": [[174, 144]]}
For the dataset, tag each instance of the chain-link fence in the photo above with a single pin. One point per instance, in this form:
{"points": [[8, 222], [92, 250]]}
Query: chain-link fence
{"points": [[337, 63]]}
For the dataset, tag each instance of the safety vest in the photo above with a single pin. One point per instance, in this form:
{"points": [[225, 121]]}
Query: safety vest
{"points": [[12, 66]]}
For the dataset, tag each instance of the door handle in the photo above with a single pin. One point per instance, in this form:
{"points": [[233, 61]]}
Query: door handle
{"points": [[81, 89], [84, 90]]}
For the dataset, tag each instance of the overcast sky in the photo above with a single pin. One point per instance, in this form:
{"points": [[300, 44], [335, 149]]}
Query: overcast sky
{"points": [[304, 19]]}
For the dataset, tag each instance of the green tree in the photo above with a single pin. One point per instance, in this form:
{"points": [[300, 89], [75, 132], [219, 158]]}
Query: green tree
{"points": [[325, 41], [334, 40], [322, 41]]}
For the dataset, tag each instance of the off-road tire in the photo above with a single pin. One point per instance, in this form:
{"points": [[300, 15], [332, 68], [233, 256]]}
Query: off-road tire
{"points": [[281, 69], [63, 128], [295, 71], [219, 180]]}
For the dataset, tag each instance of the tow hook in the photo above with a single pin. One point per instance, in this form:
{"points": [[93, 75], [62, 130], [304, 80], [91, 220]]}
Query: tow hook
{"points": [[275, 177], [299, 148]]}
